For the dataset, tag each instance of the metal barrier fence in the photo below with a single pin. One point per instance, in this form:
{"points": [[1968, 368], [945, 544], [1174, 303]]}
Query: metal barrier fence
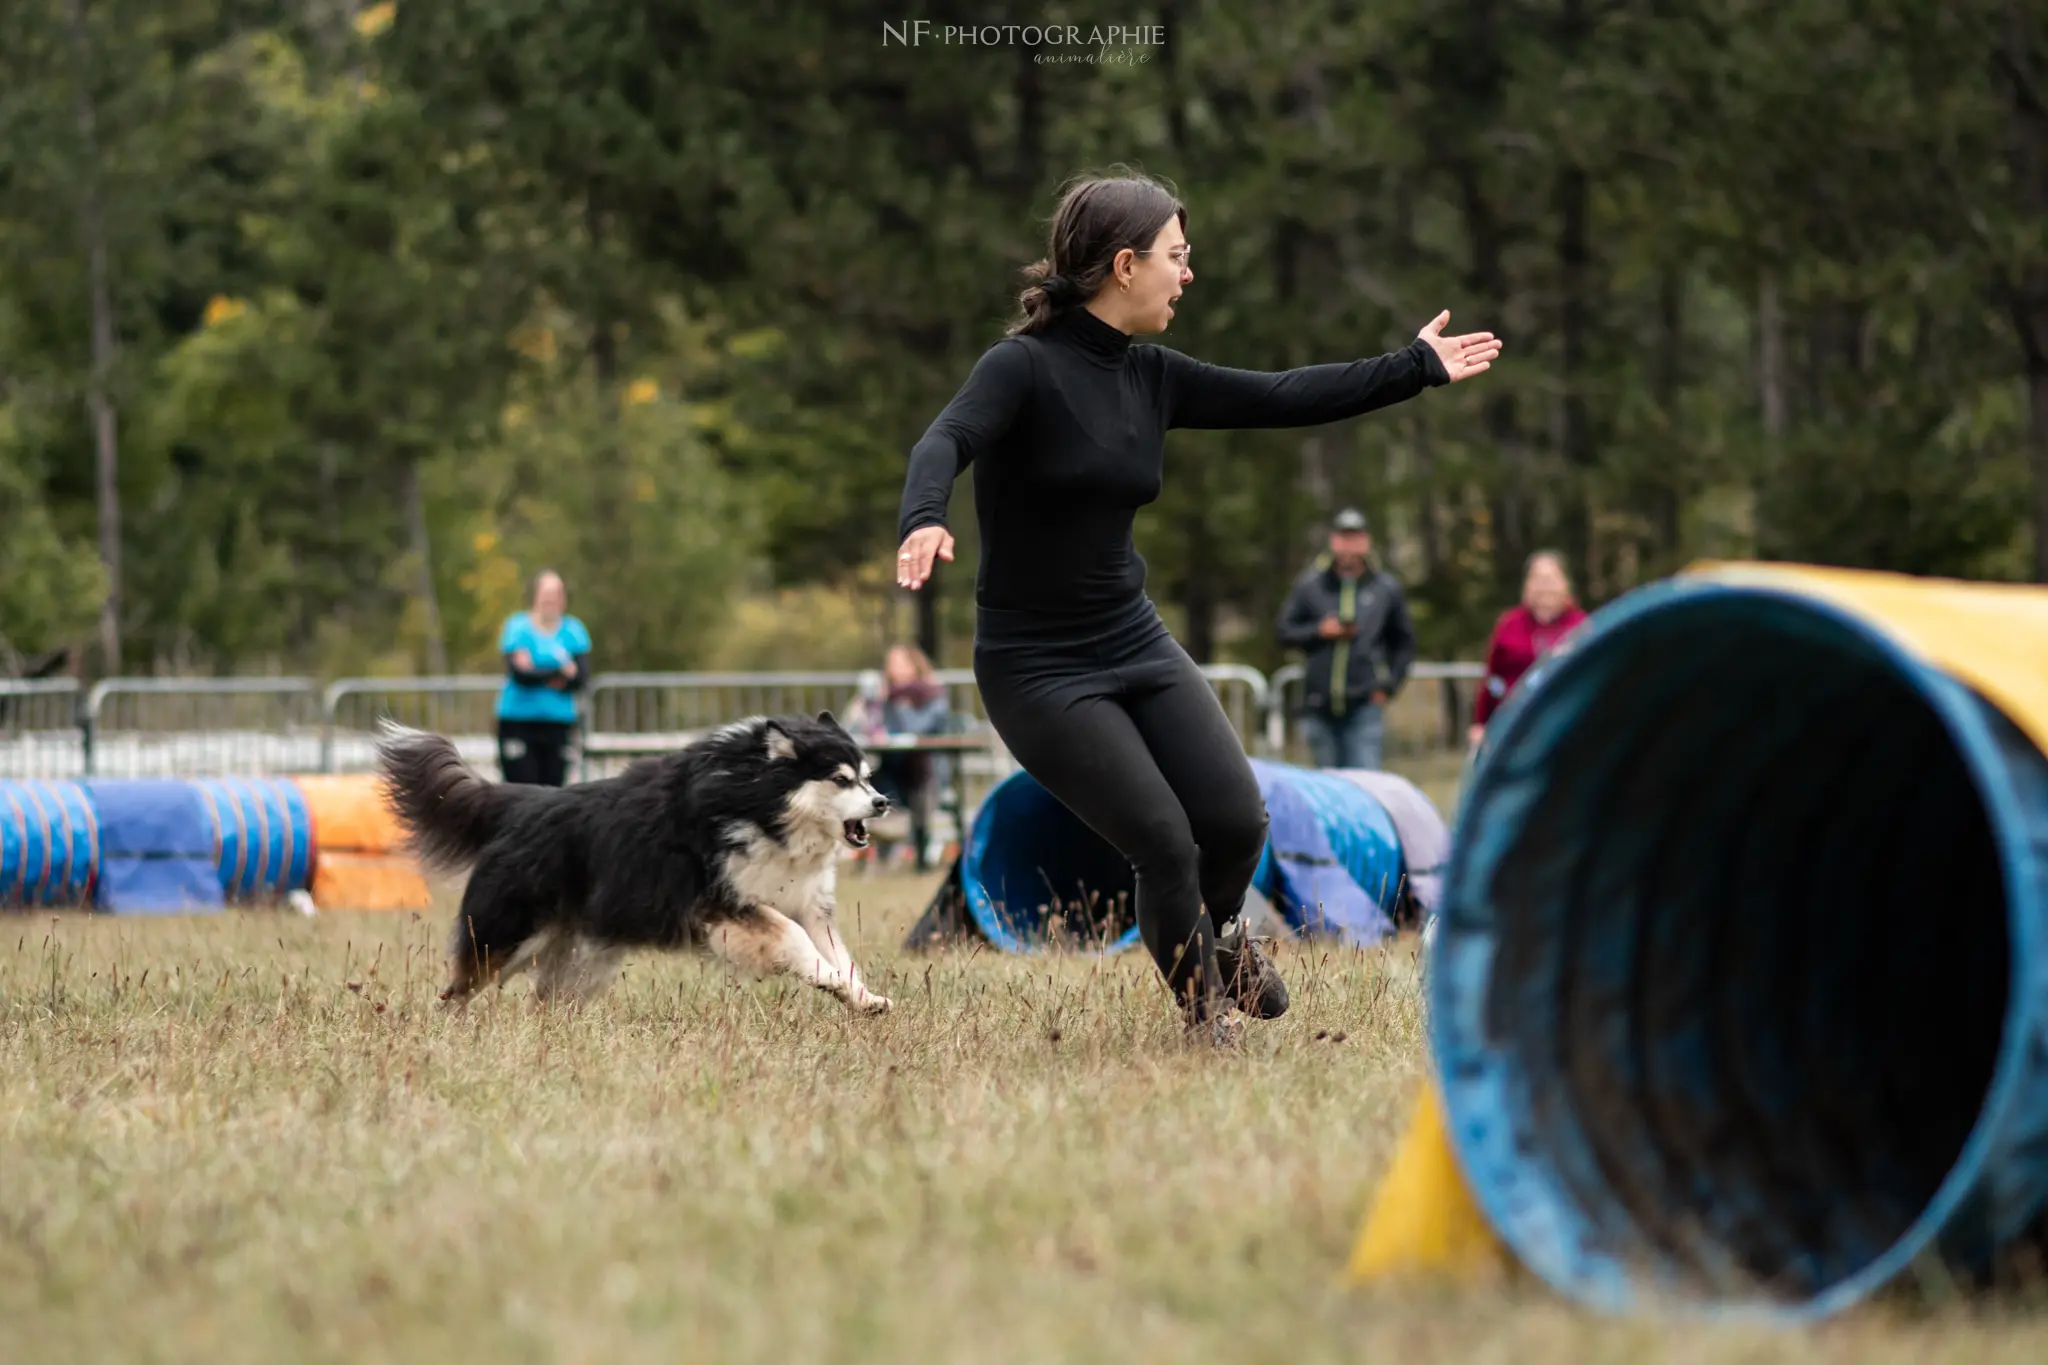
{"points": [[1419, 719], [201, 727], [1245, 695], [138, 727], [629, 713], [40, 735], [680, 703], [464, 708], [1241, 689], [660, 703]]}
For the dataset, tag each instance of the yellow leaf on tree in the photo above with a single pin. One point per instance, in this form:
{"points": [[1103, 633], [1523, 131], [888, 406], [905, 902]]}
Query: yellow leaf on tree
{"points": [[535, 343], [643, 489], [486, 541], [376, 18], [220, 308], [642, 391]]}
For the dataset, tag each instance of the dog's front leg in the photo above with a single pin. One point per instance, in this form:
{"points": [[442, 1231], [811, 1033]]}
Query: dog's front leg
{"points": [[766, 941], [819, 923]]}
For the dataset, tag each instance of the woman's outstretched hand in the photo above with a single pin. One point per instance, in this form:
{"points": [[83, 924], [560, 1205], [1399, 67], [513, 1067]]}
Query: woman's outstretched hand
{"points": [[1462, 356], [914, 560]]}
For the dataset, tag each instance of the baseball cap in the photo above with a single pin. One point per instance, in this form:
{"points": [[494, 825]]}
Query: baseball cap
{"points": [[1350, 519]]}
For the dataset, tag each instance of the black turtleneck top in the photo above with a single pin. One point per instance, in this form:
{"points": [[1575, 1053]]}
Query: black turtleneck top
{"points": [[1066, 431]]}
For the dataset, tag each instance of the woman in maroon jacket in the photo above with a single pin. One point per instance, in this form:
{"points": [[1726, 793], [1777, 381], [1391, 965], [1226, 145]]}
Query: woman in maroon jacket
{"points": [[1523, 633]]}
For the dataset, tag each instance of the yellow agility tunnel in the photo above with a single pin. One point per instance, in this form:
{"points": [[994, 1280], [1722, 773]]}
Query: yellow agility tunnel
{"points": [[1738, 994]]}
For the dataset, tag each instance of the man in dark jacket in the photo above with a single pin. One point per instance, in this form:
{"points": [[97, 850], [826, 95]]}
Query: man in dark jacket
{"points": [[1353, 622]]}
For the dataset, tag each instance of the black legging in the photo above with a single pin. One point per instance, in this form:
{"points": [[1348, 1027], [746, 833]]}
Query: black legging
{"points": [[534, 752], [1132, 740]]}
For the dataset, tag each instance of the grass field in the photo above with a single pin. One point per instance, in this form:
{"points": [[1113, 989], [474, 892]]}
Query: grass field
{"points": [[257, 1138]]}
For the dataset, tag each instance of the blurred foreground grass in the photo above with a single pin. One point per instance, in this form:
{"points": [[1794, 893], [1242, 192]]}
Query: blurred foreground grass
{"points": [[258, 1138]]}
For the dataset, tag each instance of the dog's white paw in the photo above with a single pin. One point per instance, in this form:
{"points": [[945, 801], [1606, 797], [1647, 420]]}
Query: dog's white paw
{"points": [[870, 1003]]}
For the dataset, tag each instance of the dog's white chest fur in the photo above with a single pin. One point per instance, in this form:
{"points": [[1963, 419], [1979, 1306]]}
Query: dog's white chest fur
{"points": [[796, 875]]}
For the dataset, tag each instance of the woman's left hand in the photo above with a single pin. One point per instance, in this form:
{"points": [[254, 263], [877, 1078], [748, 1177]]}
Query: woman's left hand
{"points": [[1462, 356], [920, 548]]}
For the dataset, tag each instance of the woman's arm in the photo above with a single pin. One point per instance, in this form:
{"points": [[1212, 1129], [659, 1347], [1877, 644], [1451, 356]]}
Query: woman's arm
{"points": [[514, 644], [1202, 395], [571, 677], [1300, 624], [519, 663], [1399, 637], [1488, 701], [979, 413]]}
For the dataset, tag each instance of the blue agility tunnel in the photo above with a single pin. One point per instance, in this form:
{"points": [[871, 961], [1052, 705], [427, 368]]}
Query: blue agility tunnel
{"points": [[49, 845], [263, 836], [1738, 998], [1031, 872], [1030, 869], [1333, 861], [157, 848]]}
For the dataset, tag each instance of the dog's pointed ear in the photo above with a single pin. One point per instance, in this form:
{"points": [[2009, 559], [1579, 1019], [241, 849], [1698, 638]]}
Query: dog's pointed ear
{"points": [[780, 745], [827, 718]]}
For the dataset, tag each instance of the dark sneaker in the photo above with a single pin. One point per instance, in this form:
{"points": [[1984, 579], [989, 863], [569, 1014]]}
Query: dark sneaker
{"points": [[1248, 974]]}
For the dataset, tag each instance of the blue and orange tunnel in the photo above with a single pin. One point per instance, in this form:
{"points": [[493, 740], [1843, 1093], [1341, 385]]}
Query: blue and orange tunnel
{"points": [[170, 846]]}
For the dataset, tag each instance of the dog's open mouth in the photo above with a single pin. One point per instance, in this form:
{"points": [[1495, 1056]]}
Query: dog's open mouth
{"points": [[856, 833]]}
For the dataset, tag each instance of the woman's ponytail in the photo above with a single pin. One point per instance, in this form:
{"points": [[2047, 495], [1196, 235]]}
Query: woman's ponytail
{"points": [[1045, 293]]}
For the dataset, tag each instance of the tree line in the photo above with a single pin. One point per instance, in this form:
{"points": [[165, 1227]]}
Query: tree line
{"points": [[324, 324]]}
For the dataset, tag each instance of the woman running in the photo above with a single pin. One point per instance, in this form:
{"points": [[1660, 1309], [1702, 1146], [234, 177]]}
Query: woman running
{"points": [[1064, 420]]}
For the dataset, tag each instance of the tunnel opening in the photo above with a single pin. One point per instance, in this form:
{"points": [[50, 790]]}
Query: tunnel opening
{"points": [[1726, 954]]}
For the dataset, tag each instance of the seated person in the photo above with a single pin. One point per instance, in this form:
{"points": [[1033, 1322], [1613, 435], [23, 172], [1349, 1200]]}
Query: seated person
{"points": [[913, 702]]}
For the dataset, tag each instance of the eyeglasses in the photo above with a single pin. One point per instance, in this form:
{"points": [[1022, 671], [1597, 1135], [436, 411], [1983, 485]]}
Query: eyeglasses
{"points": [[1178, 255]]}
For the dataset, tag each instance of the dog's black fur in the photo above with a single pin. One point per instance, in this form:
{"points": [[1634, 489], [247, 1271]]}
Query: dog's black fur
{"points": [[730, 843]]}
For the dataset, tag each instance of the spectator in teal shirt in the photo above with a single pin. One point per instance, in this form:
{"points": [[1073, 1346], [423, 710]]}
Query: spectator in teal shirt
{"points": [[547, 655]]}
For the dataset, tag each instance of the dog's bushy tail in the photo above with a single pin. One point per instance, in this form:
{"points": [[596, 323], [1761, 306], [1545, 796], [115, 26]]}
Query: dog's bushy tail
{"points": [[449, 810]]}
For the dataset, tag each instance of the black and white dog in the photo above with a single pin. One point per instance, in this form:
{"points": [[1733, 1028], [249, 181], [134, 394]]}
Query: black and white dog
{"points": [[730, 843]]}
